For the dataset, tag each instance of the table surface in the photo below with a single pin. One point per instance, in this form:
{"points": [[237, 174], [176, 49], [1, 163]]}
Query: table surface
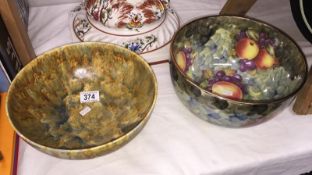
{"points": [[174, 141]]}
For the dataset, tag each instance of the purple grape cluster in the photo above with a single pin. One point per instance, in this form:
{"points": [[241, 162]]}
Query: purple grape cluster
{"points": [[245, 65], [242, 34], [264, 40], [221, 76], [188, 56]]}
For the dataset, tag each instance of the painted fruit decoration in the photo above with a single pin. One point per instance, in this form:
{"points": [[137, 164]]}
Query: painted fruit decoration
{"points": [[264, 60], [230, 73], [181, 60], [227, 89], [227, 83], [252, 47], [247, 49], [184, 58]]}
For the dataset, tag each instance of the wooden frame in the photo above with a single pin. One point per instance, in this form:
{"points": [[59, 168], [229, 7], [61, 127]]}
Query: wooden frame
{"points": [[237, 7], [17, 30], [22, 45], [303, 102]]}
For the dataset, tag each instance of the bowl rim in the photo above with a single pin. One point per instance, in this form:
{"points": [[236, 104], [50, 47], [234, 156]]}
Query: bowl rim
{"points": [[105, 147], [240, 102]]}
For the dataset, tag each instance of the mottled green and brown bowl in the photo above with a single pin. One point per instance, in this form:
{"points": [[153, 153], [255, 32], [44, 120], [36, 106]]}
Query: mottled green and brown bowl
{"points": [[82, 100], [235, 71]]}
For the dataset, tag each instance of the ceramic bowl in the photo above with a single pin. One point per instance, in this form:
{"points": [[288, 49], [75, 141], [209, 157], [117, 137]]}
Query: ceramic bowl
{"points": [[82, 100], [235, 71]]}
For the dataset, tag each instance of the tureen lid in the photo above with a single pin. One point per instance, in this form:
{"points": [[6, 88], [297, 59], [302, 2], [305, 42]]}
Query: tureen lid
{"points": [[140, 25], [125, 13]]}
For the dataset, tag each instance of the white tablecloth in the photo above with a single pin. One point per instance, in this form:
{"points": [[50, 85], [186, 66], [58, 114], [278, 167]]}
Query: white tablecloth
{"points": [[175, 142]]}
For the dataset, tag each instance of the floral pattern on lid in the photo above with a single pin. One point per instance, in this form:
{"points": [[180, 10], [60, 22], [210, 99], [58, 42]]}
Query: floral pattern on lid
{"points": [[125, 13], [142, 40]]}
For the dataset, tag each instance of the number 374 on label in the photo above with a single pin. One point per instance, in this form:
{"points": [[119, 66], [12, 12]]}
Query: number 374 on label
{"points": [[89, 96]]}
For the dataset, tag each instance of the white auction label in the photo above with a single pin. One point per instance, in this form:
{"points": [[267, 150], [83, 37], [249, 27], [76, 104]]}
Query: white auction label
{"points": [[85, 111], [89, 96]]}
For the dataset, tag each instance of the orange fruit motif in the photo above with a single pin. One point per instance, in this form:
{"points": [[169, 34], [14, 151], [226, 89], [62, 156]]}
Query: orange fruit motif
{"points": [[264, 60], [247, 49], [228, 90]]}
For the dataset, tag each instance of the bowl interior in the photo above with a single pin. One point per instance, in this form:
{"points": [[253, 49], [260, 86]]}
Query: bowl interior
{"points": [[46, 104], [239, 58]]}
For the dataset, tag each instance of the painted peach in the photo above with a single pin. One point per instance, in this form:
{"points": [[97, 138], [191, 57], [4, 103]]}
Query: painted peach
{"points": [[247, 49], [181, 60], [227, 89], [264, 60]]}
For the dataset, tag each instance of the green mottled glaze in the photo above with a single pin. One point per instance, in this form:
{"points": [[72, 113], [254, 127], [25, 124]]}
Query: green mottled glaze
{"points": [[234, 71], [44, 104]]}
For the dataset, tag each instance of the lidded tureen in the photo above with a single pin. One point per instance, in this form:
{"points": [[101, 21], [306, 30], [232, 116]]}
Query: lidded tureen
{"points": [[140, 25], [125, 13]]}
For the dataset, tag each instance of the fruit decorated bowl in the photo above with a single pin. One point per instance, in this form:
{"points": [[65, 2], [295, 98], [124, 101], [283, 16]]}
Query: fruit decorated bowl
{"points": [[82, 100], [235, 71]]}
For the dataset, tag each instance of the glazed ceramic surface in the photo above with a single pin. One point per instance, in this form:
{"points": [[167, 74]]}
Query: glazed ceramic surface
{"points": [[234, 71], [143, 39], [82, 100], [125, 13]]}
